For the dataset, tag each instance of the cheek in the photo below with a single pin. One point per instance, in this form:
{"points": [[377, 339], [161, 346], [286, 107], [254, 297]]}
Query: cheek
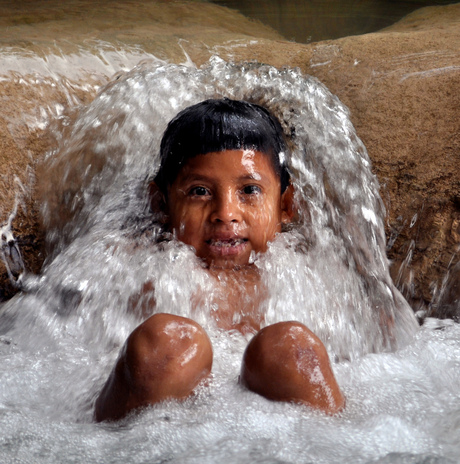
{"points": [[187, 224], [266, 221], [270, 216]]}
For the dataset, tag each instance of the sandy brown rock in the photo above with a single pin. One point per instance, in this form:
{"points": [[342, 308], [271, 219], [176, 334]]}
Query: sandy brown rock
{"points": [[405, 105], [24, 140], [402, 88]]}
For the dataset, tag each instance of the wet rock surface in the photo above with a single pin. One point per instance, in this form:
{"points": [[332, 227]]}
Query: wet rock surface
{"points": [[400, 87], [23, 144], [400, 84]]}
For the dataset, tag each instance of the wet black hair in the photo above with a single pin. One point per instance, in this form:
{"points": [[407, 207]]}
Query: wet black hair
{"points": [[218, 125]]}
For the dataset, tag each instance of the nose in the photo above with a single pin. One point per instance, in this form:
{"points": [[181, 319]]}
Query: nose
{"points": [[226, 208]]}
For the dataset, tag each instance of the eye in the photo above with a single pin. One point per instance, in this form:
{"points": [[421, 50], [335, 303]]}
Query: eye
{"points": [[199, 191], [251, 190]]}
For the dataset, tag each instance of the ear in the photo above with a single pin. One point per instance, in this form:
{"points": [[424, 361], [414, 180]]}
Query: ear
{"points": [[287, 205], [157, 202]]}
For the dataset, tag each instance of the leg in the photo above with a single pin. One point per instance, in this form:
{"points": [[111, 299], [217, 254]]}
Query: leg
{"points": [[165, 357], [288, 362]]}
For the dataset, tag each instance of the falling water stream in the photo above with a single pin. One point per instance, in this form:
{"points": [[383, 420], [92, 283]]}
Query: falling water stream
{"points": [[61, 335]]}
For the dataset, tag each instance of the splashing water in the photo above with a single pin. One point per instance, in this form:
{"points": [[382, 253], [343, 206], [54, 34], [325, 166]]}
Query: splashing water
{"points": [[10, 253], [60, 338]]}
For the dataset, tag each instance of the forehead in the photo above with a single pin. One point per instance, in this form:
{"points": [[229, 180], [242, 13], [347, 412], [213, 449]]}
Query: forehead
{"points": [[231, 163]]}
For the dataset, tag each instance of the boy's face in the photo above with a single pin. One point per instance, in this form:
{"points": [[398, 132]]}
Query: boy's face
{"points": [[228, 204]]}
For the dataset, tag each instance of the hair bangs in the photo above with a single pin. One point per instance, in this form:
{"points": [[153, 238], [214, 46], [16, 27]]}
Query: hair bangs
{"points": [[219, 125]]}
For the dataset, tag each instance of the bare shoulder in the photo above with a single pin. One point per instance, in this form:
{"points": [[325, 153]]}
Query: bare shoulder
{"points": [[143, 302]]}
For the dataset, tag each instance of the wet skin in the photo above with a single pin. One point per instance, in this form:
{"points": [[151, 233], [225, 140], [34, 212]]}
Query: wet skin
{"points": [[166, 357], [288, 362], [225, 205]]}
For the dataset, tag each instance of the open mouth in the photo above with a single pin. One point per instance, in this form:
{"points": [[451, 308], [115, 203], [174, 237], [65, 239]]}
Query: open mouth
{"points": [[227, 247], [231, 242]]}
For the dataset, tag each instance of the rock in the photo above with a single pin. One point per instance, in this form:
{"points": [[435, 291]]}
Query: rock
{"points": [[24, 139], [400, 84]]}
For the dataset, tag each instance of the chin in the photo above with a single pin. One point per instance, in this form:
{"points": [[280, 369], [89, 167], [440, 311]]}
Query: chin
{"points": [[225, 263]]}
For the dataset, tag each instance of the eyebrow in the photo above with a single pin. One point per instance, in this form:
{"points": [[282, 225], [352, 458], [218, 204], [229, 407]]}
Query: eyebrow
{"points": [[203, 178], [196, 178], [252, 176]]}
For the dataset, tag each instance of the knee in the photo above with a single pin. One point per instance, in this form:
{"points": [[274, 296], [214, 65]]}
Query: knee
{"points": [[166, 357], [288, 362]]}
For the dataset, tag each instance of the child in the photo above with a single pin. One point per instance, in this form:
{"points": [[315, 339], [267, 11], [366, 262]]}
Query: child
{"points": [[223, 188]]}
